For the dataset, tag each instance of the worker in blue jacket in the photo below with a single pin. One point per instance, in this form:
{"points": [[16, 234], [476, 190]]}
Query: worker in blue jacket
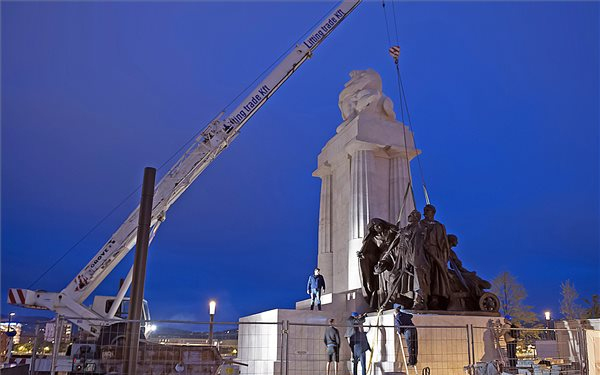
{"points": [[404, 326], [315, 287]]}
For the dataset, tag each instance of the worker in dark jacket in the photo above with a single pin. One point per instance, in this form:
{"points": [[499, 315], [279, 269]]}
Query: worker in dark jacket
{"points": [[332, 342], [314, 287], [355, 321], [359, 345], [404, 326]]}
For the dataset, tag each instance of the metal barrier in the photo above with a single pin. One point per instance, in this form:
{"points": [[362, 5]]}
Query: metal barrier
{"points": [[535, 351], [287, 348]]}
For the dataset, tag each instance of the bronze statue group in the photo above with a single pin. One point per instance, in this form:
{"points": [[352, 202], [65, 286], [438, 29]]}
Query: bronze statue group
{"points": [[412, 267], [416, 266]]}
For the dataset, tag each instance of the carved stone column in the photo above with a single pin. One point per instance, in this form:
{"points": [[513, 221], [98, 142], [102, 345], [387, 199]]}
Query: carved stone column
{"points": [[325, 215], [359, 195], [325, 246], [361, 173], [400, 198]]}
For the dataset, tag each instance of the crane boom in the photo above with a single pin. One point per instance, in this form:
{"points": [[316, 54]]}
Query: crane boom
{"points": [[212, 141]]}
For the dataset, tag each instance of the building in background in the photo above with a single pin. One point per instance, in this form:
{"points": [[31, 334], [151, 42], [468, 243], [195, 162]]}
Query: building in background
{"points": [[67, 332], [4, 339]]}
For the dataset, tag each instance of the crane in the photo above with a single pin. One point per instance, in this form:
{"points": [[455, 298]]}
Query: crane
{"points": [[213, 140]]}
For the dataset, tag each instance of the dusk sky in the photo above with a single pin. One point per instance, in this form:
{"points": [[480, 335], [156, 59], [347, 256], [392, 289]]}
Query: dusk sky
{"points": [[504, 99]]}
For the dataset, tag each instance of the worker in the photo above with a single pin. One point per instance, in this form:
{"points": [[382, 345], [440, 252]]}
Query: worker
{"points": [[315, 287], [357, 339], [359, 346], [405, 326], [355, 320], [332, 342]]}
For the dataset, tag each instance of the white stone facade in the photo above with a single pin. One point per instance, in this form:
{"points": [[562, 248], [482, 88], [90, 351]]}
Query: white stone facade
{"points": [[364, 171]]}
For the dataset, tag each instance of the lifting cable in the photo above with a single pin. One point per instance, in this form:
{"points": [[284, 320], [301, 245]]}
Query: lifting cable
{"points": [[387, 29], [179, 150], [395, 52], [375, 340]]}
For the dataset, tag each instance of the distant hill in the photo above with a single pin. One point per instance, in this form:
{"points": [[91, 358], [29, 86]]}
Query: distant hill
{"points": [[29, 323], [230, 334]]}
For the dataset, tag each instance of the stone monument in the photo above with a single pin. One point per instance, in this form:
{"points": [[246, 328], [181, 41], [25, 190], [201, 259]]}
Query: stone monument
{"points": [[364, 171], [365, 174]]}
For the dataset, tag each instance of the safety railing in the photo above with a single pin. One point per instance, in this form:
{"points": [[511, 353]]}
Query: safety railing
{"points": [[288, 348], [531, 350]]}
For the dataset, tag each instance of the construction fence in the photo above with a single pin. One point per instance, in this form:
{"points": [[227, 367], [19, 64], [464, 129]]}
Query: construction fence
{"points": [[287, 348]]}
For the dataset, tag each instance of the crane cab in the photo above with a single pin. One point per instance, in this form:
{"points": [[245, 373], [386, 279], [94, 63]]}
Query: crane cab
{"points": [[103, 304]]}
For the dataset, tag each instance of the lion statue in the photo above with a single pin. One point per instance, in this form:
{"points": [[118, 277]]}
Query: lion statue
{"points": [[364, 93]]}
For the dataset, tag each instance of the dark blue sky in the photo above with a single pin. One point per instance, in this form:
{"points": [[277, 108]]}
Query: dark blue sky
{"points": [[504, 100]]}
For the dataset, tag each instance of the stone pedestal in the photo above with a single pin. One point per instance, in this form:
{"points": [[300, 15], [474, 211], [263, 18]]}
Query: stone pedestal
{"points": [[365, 173], [293, 341], [447, 343]]}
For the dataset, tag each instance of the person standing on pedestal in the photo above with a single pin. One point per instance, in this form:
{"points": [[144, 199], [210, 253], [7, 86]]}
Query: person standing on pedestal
{"points": [[314, 288], [332, 342], [404, 326]]}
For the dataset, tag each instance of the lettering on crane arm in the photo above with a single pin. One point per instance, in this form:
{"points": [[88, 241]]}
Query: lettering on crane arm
{"points": [[326, 27], [235, 119], [81, 280]]}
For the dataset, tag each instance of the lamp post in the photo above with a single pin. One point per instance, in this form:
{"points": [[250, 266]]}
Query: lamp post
{"points": [[10, 316], [11, 337], [212, 306], [549, 334]]}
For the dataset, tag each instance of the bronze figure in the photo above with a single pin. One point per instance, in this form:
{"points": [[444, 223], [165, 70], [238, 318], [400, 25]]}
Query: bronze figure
{"points": [[416, 266]]}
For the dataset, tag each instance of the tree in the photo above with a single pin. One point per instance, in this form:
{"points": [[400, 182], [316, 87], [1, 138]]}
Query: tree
{"points": [[568, 307], [512, 295], [593, 309]]}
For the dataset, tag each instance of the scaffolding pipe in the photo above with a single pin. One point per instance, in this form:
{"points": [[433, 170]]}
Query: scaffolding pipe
{"points": [[139, 271]]}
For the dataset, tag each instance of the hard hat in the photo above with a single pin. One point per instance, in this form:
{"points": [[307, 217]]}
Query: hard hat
{"points": [[354, 314]]}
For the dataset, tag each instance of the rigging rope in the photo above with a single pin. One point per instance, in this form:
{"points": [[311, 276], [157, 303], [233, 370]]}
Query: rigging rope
{"points": [[401, 85], [401, 113], [404, 103], [375, 341]]}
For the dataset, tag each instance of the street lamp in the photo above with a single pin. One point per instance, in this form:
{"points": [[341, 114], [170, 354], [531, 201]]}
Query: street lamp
{"points": [[11, 337], [212, 306], [549, 325], [10, 316], [149, 329], [547, 316]]}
